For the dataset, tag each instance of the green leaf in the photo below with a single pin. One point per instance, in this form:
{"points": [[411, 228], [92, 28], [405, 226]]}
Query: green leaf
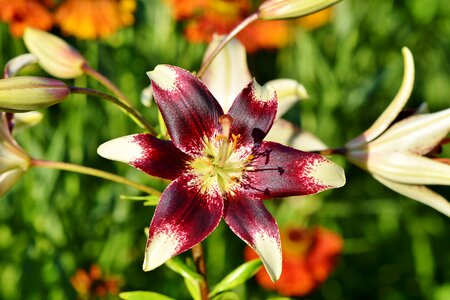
{"points": [[237, 277], [149, 200], [140, 295], [177, 265], [193, 287], [226, 296]]}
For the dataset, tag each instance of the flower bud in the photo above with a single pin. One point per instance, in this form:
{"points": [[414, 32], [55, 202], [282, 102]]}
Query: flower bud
{"points": [[284, 9], [26, 93], [55, 56]]}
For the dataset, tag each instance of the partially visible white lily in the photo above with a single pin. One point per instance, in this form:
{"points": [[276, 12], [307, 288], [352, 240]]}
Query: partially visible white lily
{"points": [[228, 74], [395, 155], [14, 162]]}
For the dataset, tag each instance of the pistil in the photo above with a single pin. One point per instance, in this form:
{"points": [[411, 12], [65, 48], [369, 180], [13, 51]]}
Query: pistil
{"points": [[226, 120]]}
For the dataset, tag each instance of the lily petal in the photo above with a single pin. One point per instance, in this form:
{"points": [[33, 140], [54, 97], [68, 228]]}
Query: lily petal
{"points": [[189, 110], [409, 168], [289, 91], [8, 179], [391, 112], [143, 151], [183, 218], [253, 113], [419, 193], [17, 63], [250, 220], [228, 73], [281, 171], [418, 134]]}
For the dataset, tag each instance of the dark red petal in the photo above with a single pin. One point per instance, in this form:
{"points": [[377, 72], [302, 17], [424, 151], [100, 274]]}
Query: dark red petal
{"points": [[143, 151], [183, 218], [189, 110], [253, 113], [281, 171], [250, 220]]}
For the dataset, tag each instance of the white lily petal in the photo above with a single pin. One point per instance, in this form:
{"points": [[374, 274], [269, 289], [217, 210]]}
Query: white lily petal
{"points": [[419, 193], [286, 133], [228, 73], [289, 91], [160, 249], [8, 179], [409, 168], [123, 149], [17, 63], [394, 108], [270, 253], [26, 119], [417, 134]]}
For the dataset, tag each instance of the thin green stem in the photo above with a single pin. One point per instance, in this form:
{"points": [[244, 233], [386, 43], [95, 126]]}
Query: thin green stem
{"points": [[135, 115], [107, 83], [333, 151], [93, 172], [250, 19], [199, 261]]}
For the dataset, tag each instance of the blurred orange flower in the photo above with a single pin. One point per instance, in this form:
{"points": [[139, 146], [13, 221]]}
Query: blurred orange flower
{"points": [[203, 18], [91, 19], [91, 285], [309, 256], [22, 13]]}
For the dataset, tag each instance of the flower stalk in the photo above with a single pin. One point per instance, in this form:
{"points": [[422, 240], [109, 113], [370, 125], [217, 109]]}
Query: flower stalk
{"points": [[247, 21], [106, 83], [93, 172], [199, 261], [137, 117]]}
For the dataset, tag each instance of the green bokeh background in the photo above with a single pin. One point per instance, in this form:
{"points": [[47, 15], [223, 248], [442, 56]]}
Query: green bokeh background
{"points": [[52, 223]]}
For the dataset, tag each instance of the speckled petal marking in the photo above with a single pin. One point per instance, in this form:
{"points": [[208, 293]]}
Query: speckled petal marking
{"points": [[189, 110], [183, 218]]}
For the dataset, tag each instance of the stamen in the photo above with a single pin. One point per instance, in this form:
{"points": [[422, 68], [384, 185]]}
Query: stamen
{"points": [[279, 169]]}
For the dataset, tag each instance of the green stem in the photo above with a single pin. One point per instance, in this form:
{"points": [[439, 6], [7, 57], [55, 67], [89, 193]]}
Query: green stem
{"points": [[333, 151], [135, 115], [93, 172], [250, 19], [107, 83], [199, 261]]}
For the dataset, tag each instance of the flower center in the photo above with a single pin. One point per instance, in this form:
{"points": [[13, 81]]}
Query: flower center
{"points": [[222, 164]]}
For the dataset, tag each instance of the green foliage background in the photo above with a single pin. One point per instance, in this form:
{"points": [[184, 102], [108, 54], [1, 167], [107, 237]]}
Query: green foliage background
{"points": [[52, 223]]}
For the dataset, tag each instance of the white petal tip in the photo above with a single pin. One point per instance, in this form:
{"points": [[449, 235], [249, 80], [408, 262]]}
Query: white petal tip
{"points": [[124, 149], [263, 93], [164, 76], [269, 250], [160, 249], [328, 173]]}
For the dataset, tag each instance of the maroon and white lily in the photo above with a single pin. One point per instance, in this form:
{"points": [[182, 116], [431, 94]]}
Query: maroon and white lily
{"points": [[220, 167]]}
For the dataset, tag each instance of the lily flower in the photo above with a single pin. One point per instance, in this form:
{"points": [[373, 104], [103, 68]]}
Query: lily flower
{"points": [[220, 167], [396, 155], [14, 162]]}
